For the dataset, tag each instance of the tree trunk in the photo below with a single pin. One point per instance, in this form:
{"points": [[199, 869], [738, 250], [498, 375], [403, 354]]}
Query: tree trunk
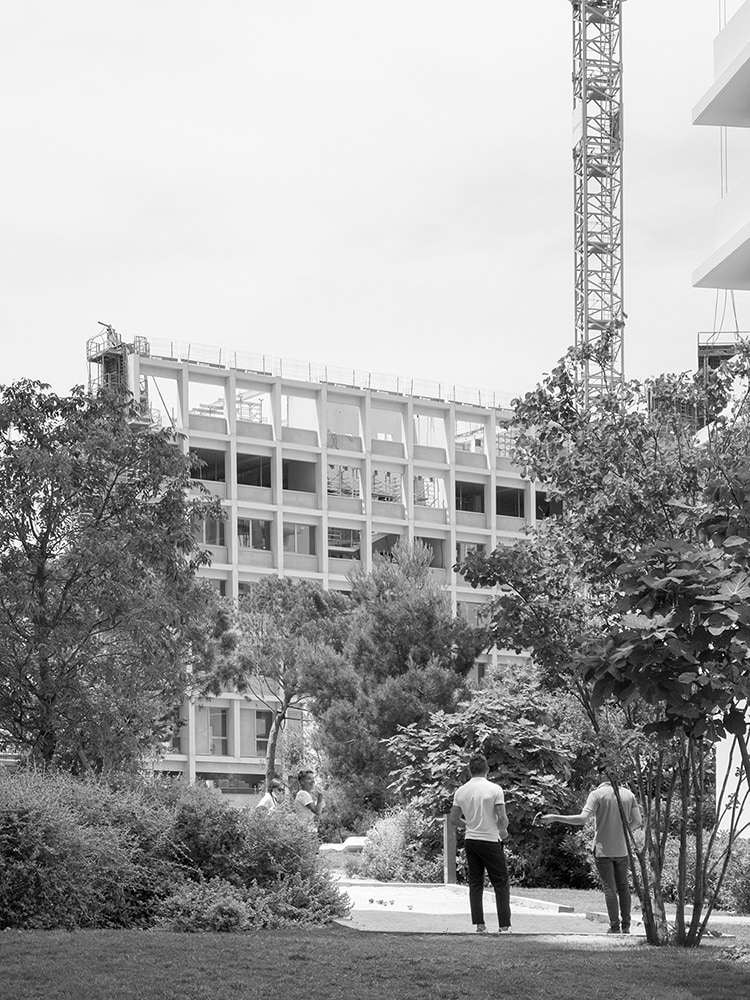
{"points": [[273, 739], [46, 739]]}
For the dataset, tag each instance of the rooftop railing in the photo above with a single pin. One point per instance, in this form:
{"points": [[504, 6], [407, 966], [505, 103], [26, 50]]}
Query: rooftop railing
{"points": [[303, 371]]}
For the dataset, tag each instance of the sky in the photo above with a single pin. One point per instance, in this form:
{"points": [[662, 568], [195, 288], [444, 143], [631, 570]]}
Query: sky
{"points": [[381, 186]]}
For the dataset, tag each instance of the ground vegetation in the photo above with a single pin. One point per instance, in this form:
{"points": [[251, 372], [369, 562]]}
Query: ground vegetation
{"points": [[85, 853]]}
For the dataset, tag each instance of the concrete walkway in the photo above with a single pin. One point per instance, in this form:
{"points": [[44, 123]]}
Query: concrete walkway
{"points": [[409, 908]]}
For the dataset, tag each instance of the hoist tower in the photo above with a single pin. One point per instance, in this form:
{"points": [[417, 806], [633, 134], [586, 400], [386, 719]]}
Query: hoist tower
{"points": [[597, 168]]}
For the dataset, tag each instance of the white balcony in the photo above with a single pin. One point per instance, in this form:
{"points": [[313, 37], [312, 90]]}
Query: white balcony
{"points": [[727, 101], [729, 264]]}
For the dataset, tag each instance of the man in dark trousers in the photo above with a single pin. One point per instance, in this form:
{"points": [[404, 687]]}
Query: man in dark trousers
{"points": [[479, 809], [610, 844]]}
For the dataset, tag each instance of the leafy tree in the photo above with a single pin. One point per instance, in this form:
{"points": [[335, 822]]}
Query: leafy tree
{"points": [[624, 597], [540, 749], [284, 631], [100, 610], [405, 657]]}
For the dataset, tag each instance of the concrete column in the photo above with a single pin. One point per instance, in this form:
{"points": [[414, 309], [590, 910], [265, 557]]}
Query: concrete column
{"points": [[191, 741], [449, 852]]}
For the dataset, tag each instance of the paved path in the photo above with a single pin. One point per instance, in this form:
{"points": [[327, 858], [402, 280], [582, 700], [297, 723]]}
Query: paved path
{"points": [[409, 908], [444, 909]]}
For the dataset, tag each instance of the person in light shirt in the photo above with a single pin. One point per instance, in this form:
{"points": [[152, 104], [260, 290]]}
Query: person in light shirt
{"points": [[610, 844], [308, 802], [273, 796], [479, 809]]}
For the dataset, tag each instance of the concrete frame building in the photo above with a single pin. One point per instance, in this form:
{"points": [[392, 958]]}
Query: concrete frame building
{"points": [[319, 469]]}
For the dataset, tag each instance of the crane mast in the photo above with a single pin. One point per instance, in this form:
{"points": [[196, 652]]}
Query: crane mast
{"points": [[597, 168]]}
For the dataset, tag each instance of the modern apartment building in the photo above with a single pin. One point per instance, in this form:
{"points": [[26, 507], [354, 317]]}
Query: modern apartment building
{"points": [[727, 104], [318, 470]]}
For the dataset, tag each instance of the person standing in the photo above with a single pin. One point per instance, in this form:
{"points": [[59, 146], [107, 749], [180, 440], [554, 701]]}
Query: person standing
{"points": [[610, 844], [308, 802], [479, 809]]}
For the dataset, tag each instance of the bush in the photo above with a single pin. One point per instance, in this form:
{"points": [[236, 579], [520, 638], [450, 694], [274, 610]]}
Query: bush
{"points": [[736, 885], [312, 899], [343, 817], [218, 905], [553, 856], [402, 847], [278, 846], [214, 905], [57, 872], [735, 889], [89, 854]]}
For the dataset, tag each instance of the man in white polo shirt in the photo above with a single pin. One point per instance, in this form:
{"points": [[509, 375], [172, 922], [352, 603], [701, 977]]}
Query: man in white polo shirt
{"points": [[479, 809], [610, 844]]}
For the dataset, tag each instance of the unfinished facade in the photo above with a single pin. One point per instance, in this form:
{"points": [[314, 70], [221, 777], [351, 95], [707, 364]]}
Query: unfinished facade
{"points": [[319, 470]]}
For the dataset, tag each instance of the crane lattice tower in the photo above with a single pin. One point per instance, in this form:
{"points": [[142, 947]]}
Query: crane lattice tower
{"points": [[597, 164]]}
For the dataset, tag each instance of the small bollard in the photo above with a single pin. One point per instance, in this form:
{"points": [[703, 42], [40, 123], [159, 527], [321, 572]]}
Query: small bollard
{"points": [[449, 852]]}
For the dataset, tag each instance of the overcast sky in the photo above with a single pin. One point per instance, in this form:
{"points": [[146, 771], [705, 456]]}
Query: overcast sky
{"points": [[381, 185]]}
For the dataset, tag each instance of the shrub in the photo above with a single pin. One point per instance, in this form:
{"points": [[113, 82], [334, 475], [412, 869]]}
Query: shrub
{"points": [[735, 889], [75, 853], [737, 882], [278, 846], [312, 899], [55, 872], [553, 856], [218, 905], [214, 905], [402, 846]]}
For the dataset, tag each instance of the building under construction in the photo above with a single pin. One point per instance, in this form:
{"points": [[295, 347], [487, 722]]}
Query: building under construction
{"points": [[318, 470]]}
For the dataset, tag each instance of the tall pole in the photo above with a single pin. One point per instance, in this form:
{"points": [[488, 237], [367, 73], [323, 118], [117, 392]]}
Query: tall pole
{"points": [[597, 170]]}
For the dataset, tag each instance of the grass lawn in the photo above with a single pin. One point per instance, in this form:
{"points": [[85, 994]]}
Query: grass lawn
{"points": [[584, 900], [333, 962]]}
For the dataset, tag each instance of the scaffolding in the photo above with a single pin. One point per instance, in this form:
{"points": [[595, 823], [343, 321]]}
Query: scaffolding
{"points": [[715, 348], [597, 168], [343, 481], [386, 486], [249, 407], [108, 371], [427, 492]]}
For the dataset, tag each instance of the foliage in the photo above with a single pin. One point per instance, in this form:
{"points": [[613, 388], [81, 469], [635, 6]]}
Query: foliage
{"points": [[218, 905], [402, 846], [100, 611], [737, 881], [281, 626], [405, 657], [86, 854], [213, 905], [65, 862], [540, 751], [634, 596]]}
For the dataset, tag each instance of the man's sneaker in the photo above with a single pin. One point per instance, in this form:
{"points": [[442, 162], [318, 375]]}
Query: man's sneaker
{"points": [[481, 928], [614, 930], [626, 930], [503, 930]]}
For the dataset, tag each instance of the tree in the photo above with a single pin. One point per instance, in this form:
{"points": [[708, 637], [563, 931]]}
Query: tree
{"points": [[539, 749], [405, 657], [624, 598], [284, 630], [100, 610]]}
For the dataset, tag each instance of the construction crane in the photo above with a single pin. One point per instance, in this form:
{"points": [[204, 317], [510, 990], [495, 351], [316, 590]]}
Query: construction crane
{"points": [[597, 168]]}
